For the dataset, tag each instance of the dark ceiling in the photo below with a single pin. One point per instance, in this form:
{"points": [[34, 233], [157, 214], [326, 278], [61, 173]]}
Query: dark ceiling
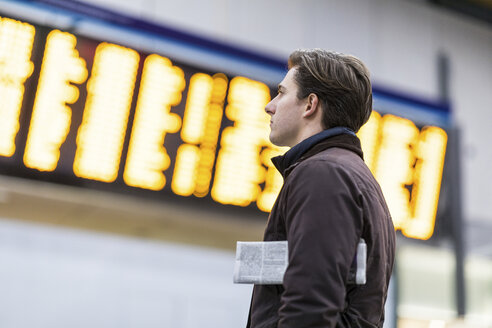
{"points": [[479, 9]]}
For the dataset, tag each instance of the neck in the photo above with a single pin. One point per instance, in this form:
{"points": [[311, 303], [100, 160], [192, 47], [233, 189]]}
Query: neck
{"points": [[309, 131]]}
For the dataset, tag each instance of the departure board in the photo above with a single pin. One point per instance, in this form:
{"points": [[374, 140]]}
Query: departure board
{"points": [[91, 113]]}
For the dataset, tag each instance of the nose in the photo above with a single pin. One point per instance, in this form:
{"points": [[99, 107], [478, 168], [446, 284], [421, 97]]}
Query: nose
{"points": [[270, 108]]}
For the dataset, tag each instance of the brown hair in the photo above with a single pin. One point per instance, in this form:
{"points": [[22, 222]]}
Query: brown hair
{"points": [[340, 81]]}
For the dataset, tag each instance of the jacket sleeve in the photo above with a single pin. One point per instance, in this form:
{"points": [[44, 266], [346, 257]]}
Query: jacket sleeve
{"points": [[324, 221]]}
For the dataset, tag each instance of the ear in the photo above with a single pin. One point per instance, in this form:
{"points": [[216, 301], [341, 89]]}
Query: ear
{"points": [[312, 105]]}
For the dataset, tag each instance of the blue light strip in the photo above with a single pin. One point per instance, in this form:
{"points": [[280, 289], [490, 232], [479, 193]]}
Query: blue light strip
{"points": [[406, 98]]}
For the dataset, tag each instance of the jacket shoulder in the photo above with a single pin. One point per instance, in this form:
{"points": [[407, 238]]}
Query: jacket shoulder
{"points": [[331, 161]]}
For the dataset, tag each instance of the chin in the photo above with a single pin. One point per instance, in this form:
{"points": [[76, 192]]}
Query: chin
{"points": [[277, 142], [273, 140]]}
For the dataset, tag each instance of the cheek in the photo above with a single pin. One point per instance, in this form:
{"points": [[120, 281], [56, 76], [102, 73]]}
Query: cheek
{"points": [[280, 107]]}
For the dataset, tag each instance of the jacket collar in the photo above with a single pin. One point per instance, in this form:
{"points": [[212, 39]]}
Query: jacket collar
{"points": [[340, 137]]}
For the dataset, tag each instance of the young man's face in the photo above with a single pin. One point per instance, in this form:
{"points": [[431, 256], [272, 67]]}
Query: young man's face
{"points": [[286, 113]]}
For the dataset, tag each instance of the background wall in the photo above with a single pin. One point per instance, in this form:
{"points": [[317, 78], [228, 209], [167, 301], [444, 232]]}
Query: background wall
{"points": [[85, 279]]}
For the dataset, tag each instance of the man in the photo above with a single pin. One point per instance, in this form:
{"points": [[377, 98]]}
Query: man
{"points": [[329, 200]]}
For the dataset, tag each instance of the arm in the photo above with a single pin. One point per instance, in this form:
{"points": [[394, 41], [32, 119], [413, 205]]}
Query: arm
{"points": [[324, 223]]}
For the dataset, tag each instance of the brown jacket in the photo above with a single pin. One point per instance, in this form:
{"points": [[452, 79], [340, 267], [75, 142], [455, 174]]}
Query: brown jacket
{"points": [[329, 201]]}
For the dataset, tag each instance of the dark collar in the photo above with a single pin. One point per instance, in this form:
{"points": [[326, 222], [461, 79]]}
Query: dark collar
{"points": [[336, 137]]}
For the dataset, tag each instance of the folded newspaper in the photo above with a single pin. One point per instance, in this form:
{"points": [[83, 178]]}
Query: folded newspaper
{"points": [[262, 262], [265, 262]]}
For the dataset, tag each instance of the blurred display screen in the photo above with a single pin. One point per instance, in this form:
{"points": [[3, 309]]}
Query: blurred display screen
{"points": [[85, 112]]}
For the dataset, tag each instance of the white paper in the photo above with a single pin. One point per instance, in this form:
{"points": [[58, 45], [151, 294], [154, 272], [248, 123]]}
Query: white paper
{"points": [[360, 276], [262, 262], [265, 262]]}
